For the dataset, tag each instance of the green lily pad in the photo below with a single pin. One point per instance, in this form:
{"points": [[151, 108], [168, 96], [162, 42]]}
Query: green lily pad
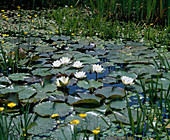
{"points": [[19, 76], [122, 116], [41, 125], [120, 73], [5, 80], [26, 93], [93, 121], [14, 89], [100, 109], [45, 88], [62, 132], [85, 98], [118, 104], [110, 92], [92, 83], [49, 108], [58, 70], [45, 49], [41, 72]]}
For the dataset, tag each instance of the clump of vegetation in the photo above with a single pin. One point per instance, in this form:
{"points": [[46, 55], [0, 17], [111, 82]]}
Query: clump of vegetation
{"points": [[84, 70]]}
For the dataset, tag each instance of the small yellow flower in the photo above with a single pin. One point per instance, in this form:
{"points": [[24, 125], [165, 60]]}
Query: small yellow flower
{"points": [[35, 16], [1, 108], [64, 29], [19, 15], [11, 105], [4, 35], [25, 32], [71, 6], [23, 129], [24, 135], [32, 20], [2, 41], [2, 10], [54, 115], [57, 32], [75, 122], [18, 7], [98, 128], [96, 131], [50, 32], [6, 18], [7, 35], [151, 24], [82, 115], [72, 34], [30, 16]]}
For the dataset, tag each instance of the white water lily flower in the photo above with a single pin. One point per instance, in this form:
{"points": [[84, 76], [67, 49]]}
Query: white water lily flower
{"points": [[78, 64], [57, 63], [65, 60], [80, 74], [64, 80], [97, 68], [127, 80]]}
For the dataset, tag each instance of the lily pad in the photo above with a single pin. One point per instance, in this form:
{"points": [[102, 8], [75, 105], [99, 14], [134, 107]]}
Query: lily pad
{"points": [[110, 92], [122, 73], [63, 132], [122, 116], [19, 76], [89, 84], [41, 72], [86, 98], [118, 104], [4, 80], [26, 93], [41, 125], [49, 108]]}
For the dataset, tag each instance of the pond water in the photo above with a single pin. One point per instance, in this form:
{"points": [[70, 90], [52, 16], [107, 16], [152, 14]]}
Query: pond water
{"points": [[102, 96]]}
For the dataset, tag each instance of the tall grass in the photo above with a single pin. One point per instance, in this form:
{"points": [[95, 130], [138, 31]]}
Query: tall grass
{"points": [[150, 10]]}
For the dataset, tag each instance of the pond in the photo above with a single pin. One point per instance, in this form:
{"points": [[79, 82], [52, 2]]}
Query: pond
{"points": [[59, 86]]}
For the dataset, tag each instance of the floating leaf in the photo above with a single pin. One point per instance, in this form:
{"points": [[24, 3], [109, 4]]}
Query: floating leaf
{"points": [[92, 83], [49, 108], [19, 76], [42, 125], [26, 93], [122, 73], [41, 72], [5, 80], [93, 121], [62, 132], [118, 104], [110, 92], [122, 116]]}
